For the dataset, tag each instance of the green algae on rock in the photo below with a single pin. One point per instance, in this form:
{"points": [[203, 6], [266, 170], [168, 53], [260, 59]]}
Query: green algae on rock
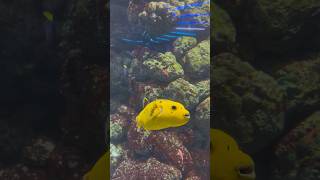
{"points": [[158, 17], [203, 88], [197, 60], [163, 67], [202, 115], [281, 26], [297, 153], [182, 91], [118, 127], [223, 31], [248, 103], [183, 44], [301, 81], [116, 154]]}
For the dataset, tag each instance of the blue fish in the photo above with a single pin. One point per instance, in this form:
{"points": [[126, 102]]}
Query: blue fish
{"points": [[163, 39], [183, 33], [188, 6], [170, 36], [185, 27], [191, 23], [193, 15]]}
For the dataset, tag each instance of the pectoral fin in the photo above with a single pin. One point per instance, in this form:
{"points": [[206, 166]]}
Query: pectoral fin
{"points": [[156, 111]]}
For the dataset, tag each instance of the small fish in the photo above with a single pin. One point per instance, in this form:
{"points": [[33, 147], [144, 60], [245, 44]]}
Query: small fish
{"points": [[183, 33], [188, 6], [48, 15], [101, 170], [161, 114], [191, 23], [190, 28], [163, 39], [132, 41], [194, 15], [228, 162], [170, 36]]}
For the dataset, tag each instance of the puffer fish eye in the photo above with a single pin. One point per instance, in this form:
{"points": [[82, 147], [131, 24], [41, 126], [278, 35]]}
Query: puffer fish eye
{"points": [[228, 147], [174, 107]]}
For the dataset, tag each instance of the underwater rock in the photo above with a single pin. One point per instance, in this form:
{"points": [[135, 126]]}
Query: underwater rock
{"points": [[203, 9], [151, 169], [301, 81], [12, 141], [116, 154], [142, 90], [158, 17], [297, 153], [38, 152], [249, 104], [137, 140], [22, 172], [182, 45], [66, 163], [202, 116], [204, 89], [118, 127], [126, 111], [152, 93], [201, 160], [168, 147], [163, 67], [182, 91], [197, 61], [119, 71], [193, 175], [186, 136], [223, 32], [280, 27]]}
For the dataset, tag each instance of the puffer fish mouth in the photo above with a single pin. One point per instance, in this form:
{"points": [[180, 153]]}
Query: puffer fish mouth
{"points": [[187, 116], [247, 172]]}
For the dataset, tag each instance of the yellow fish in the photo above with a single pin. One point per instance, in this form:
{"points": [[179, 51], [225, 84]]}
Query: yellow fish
{"points": [[227, 161], [101, 170], [48, 15], [161, 114]]}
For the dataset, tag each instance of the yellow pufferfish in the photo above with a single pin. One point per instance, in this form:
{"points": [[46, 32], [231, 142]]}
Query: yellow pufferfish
{"points": [[101, 169], [161, 114], [227, 161]]}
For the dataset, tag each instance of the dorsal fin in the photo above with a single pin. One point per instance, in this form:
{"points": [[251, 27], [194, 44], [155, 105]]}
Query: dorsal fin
{"points": [[145, 101]]}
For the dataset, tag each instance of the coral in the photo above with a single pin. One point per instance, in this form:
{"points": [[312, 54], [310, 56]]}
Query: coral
{"points": [[22, 172], [182, 45], [66, 163], [201, 160], [297, 153], [38, 152], [137, 140], [182, 91], [116, 154], [163, 67], [249, 104], [197, 60], [118, 127], [279, 26], [223, 32], [158, 17], [168, 147], [202, 115], [151, 169], [203, 88], [301, 81]]}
